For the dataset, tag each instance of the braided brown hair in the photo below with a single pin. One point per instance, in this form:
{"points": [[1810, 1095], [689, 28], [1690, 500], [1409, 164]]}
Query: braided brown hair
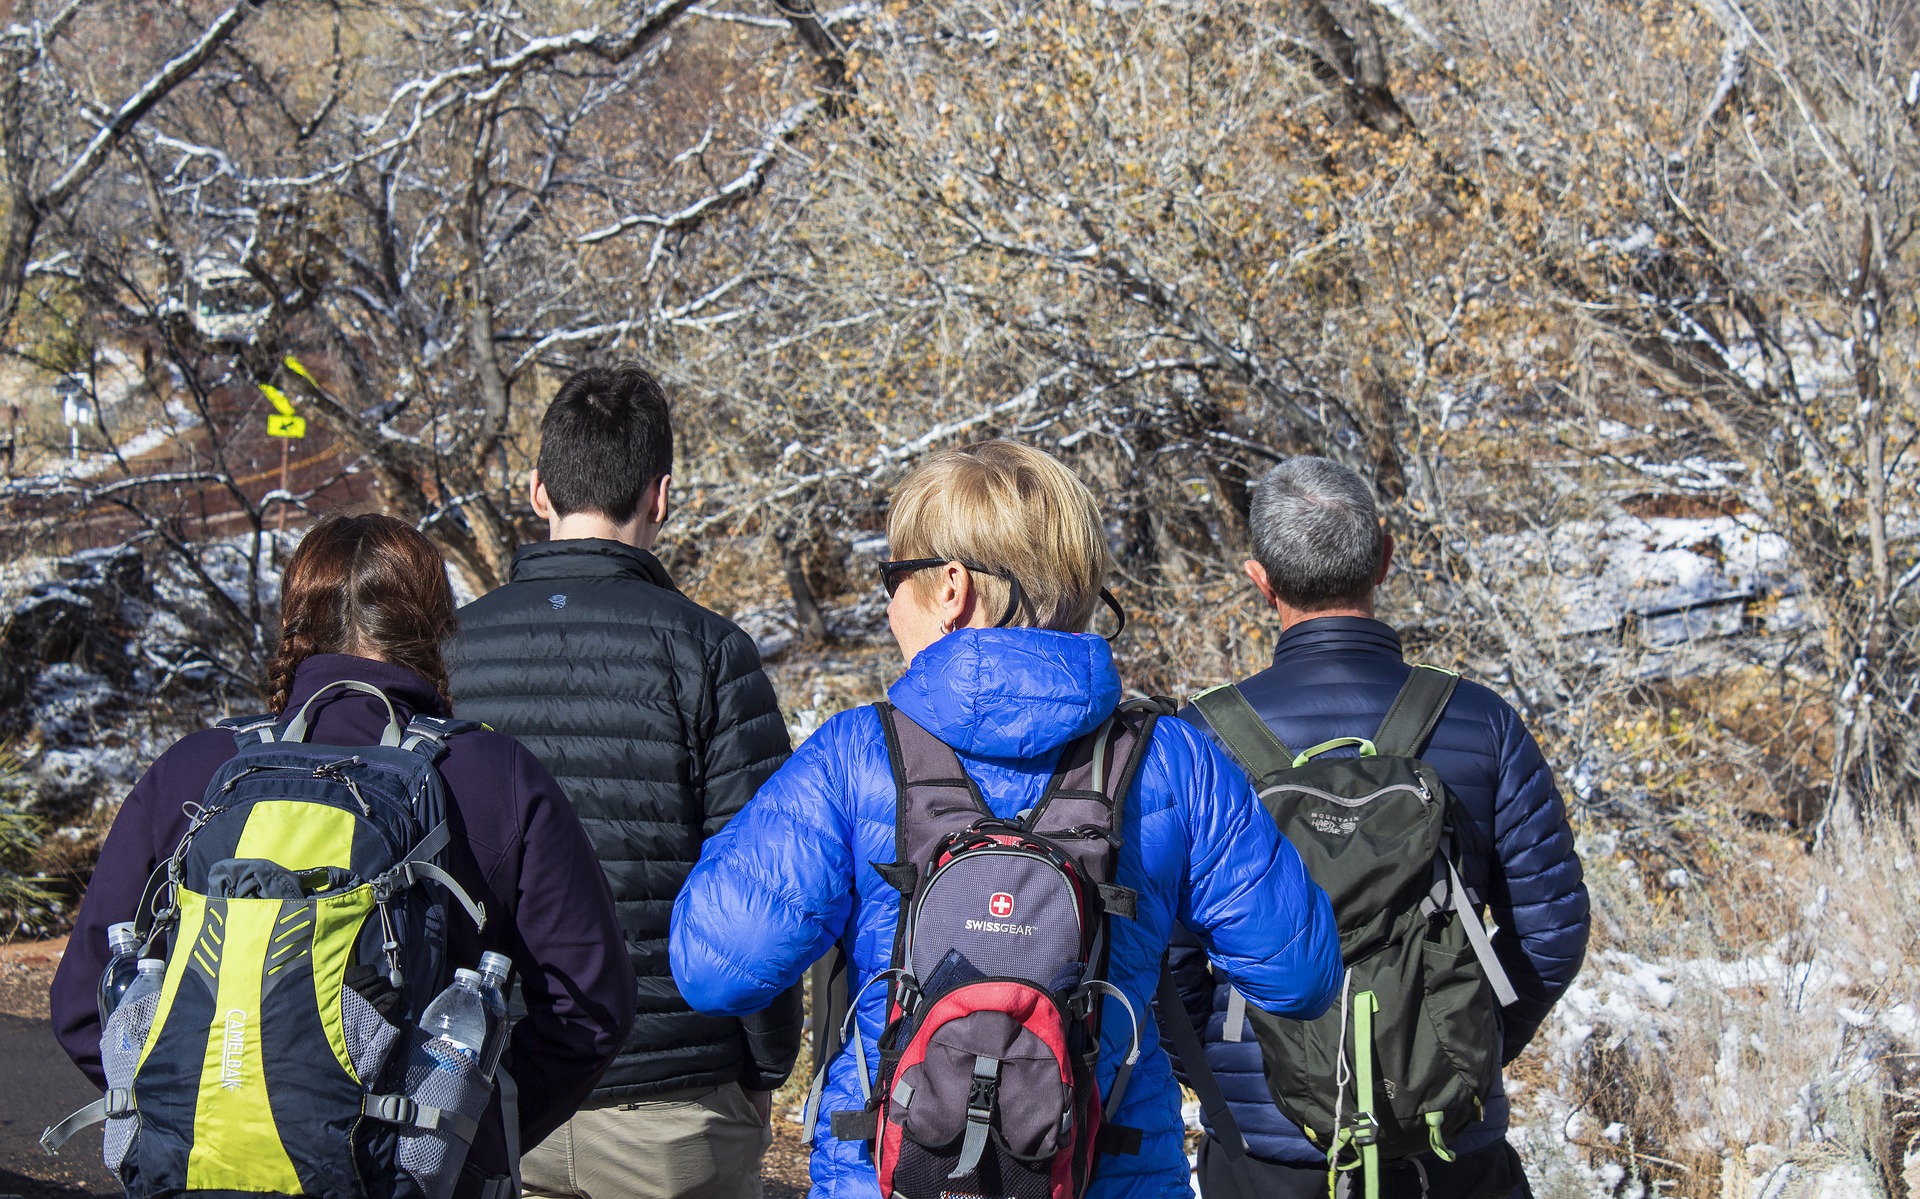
{"points": [[368, 585]]}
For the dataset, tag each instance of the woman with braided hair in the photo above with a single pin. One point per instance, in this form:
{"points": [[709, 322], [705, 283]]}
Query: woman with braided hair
{"points": [[366, 599]]}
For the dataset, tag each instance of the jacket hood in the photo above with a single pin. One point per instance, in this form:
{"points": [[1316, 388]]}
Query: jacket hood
{"points": [[1009, 693]]}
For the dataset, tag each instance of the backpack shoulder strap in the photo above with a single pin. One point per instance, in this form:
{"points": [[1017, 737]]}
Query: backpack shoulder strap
{"points": [[250, 730], [428, 735], [1193, 1055], [1134, 722], [1089, 789], [929, 783], [1251, 741], [1415, 712], [831, 1006]]}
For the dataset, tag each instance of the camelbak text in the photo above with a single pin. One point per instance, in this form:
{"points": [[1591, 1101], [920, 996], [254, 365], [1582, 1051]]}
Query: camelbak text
{"points": [[230, 1055]]}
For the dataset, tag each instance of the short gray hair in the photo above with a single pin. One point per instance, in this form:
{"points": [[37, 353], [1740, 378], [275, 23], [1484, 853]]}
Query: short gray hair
{"points": [[1317, 532]]}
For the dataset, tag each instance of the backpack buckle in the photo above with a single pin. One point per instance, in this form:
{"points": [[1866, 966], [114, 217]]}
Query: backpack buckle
{"points": [[1365, 1131], [983, 1089], [392, 1109], [909, 993], [980, 1097]]}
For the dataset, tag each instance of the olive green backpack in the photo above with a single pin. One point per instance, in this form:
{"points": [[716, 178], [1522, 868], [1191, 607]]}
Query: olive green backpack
{"points": [[1408, 1056]]}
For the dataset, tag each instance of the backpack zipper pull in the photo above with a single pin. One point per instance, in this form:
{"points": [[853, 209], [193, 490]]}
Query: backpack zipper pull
{"points": [[391, 947], [332, 770]]}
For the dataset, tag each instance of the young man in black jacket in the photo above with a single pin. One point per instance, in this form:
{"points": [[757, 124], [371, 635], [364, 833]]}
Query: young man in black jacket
{"points": [[654, 715]]}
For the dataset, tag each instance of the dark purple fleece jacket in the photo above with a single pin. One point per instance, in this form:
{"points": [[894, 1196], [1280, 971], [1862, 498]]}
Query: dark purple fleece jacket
{"points": [[517, 848]]}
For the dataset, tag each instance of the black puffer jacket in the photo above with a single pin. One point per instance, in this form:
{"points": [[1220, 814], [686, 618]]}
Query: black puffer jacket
{"points": [[655, 717]]}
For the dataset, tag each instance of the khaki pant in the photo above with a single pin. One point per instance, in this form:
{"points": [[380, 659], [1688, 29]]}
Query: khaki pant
{"points": [[700, 1144]]}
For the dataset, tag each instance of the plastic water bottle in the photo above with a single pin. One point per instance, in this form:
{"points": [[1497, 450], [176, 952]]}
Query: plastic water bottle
{"points": [[494, 969], [456, 1020], [149, 973], [444, 1072], [123, 949]]}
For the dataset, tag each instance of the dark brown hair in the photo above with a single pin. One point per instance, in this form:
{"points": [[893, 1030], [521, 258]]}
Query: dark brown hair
{"points": [[370, 585], [605, 439]]}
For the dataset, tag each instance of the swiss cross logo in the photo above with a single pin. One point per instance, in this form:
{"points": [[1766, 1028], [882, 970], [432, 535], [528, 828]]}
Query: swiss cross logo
{"points": [[1001, 905]]}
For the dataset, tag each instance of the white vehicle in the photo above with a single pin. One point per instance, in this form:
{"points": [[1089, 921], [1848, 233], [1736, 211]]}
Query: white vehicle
{"points": [[226, 303]]}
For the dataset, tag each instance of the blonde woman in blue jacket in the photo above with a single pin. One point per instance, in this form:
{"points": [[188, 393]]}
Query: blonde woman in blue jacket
{"points": [[998, 561]]}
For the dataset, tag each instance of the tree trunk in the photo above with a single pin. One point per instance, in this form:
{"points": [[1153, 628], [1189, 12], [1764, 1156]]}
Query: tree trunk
{"points": [[806, 611]]}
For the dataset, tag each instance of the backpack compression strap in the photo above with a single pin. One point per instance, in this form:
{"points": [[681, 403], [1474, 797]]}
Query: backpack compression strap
{"points": [[115, 1103], [1251, 741], [1415, 713], [250, 730], [418, 867]]}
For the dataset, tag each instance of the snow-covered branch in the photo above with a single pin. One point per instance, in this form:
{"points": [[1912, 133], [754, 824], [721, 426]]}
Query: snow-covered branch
{"points": [[739, 188], [888, 456], [141, 102]]}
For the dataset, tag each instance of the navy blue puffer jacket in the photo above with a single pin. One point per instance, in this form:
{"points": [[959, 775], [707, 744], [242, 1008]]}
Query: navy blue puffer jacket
{"points": [[1335, 676], [793, 874]]}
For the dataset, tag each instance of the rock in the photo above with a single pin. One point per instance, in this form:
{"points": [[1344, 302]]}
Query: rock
{"points": [[77, 619]]}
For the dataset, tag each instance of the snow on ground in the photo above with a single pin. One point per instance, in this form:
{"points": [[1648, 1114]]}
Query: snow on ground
{"points": [[1587, 576], [1776, 1061], [117, 383], [21, 574], [97, 726]]}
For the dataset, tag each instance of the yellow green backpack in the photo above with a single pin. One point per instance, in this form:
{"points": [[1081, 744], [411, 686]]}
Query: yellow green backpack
{"points": [[256, 1068]]}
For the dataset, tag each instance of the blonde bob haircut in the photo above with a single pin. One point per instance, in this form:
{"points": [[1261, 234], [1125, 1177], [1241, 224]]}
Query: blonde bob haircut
{"points": [[1011, 508]]}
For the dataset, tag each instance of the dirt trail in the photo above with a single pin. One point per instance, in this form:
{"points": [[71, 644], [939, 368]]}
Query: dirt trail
{"points": [[41, 1086], [207, 510]]}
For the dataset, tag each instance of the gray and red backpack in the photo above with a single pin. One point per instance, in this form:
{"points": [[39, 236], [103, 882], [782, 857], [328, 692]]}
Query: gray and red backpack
{"points": [[987, 1062]]}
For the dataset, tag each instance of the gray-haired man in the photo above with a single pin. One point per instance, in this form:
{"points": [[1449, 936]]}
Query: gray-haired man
{"points": [[1319, 553]]}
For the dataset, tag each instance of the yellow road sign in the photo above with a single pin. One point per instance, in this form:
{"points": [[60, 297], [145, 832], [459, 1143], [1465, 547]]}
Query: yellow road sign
{"points": [[283, 421], [278, 398], [293, 364]]}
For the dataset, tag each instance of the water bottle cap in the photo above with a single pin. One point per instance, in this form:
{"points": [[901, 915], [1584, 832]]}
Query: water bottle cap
{"points": [[471, 977], [150, 965], [499, 965], [123, 935]]}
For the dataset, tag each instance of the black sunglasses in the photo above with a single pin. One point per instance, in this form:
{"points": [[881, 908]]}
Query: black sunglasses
{"points": [[894, 572]]}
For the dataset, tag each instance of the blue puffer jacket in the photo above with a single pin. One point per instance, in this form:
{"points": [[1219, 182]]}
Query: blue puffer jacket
{"points": [[1336, 676], [794, 873]]}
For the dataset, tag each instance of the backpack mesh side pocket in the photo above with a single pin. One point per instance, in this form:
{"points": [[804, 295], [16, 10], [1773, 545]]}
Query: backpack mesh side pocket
{"points": [[444, 1079], [121, 1043], [368, 1035]]}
